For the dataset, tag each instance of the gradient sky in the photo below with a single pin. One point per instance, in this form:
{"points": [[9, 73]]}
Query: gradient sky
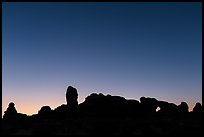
{"points": [[125, 49]]}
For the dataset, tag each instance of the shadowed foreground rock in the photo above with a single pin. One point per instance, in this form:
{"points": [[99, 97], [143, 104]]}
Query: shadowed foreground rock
{"points": [[106, 115]]}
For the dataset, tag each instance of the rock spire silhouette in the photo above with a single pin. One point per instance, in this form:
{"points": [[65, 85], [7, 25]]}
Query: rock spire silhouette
{"points": [[71, 97]]}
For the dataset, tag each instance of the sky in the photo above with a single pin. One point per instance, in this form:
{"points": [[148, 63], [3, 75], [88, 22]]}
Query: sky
{"points": [[122, 49]]}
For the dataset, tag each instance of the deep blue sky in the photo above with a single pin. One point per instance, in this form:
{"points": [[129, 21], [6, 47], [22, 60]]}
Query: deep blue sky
{"points": [[126, 49]]}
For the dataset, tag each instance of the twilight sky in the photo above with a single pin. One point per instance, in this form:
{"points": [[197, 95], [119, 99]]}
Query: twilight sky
{"points": [[125, 49]]}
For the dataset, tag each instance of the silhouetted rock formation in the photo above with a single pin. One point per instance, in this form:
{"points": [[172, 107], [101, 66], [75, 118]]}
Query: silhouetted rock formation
{"points": [[10, 113], [61, 111], [45, 112], [133, 107], [183, 107], [149, 105], [103, 114], [167, 108], [197, 108], [71, 97], [99, 104]]}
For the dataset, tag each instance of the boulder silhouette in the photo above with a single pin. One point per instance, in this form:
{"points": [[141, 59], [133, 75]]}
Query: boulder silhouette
{"points": [[99, 104], [11, 112], [183, 107], [197, 108], [167, 108], [45, 112], [148, 105]]}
